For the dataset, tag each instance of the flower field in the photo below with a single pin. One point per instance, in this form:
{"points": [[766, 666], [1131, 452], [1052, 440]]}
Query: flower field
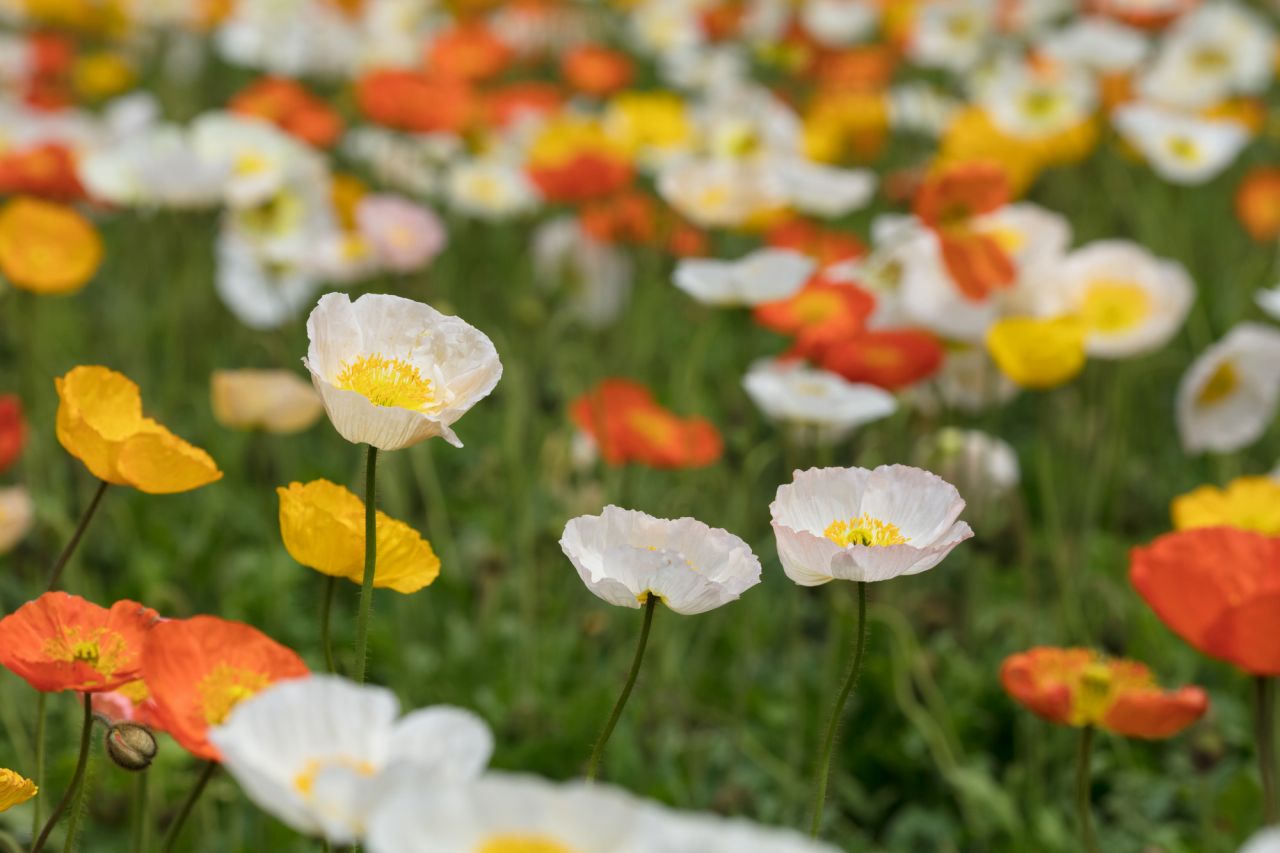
{"points": [[639, 426]]}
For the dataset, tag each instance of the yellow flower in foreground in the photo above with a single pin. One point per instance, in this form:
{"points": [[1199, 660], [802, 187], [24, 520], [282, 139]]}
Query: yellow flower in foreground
{"points": [[1038, 353], [100, 422], [323, 528], [15, 789], [47, 247], [272, 400], [1247, 503]]}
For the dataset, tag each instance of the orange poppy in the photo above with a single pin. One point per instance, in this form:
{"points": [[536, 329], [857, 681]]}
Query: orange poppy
{"points": [[1258, 203], [288, 105], [596, 70], [469, 51], [13, 430], [411, 100], [574, 160], [819, 314], [868, 68], [199, 669], [628, 425], [508, 104], [63, 642], [628, 218], [889, 358], [46, 247], [825, 245], [1218, 588], [947, 202], [47, 170], [1079, 687]]}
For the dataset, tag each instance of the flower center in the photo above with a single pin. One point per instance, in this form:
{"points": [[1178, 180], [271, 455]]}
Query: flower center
{"points": [[100, 649], [864, 530], [387, 382], [225, 687], [1221, 385], [85, 653], [305, 781], [522, 844], [1111, 307], [1184, 149]]}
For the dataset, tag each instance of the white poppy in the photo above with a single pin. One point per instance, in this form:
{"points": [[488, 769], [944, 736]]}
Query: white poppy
{"points": [[1130, 301], [16, 515], [664, 26], [504, 812], [921, 107], [489, 189], [1228, 396], [1181, 148], [1100, 44], [983, 467], [156, 166], [810, 398], [968, 381], [952, 35], [677, 832], [821, 190], [594, 276], [321, 752], [624, 556], [262, 294], [1218, 50], [1263, 841], [1031, 105], [721, 193], [839, 23], [765, 275], [258, 158], [1269, 301], [393, 372], [264, 34], [865, 525]]}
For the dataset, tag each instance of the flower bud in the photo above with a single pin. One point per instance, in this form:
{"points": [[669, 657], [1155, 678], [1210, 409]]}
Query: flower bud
{"points": [[131, 746]]}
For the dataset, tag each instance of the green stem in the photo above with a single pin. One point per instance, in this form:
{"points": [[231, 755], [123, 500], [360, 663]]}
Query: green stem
{"points": [[326, 611], [370, 564], [41, 713], [1265, 725], [593, 766], [8, 843], [61, 562], [77, 809], [175, 828], [77, 777], [1084, 809], [141, 818], [833, 727]]}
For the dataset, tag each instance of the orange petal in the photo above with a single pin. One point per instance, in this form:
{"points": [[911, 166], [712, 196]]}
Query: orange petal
{"points": [[1154, 713]]}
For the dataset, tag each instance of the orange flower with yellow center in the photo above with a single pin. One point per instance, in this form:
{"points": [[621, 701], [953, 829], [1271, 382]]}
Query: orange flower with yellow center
{"points": [[47, 247], [100, 422], [1247, 503]]}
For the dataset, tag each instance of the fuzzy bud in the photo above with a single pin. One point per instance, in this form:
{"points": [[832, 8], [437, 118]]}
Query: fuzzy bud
{"points": [[131, 746]]}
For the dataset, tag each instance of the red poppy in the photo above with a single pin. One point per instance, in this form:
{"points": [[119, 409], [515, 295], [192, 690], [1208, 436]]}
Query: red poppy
{"points": [[1258, 203], [288, 105], [411, 100], [825, 245], [52, 54], [63, 642], [597, 70], [47, 170], [889, 358], [470, 51], [13, 431], [948, 202], [586, 175], [820, 313], [627, 425], [1218, 588], [1079, 687], [199, 669]]}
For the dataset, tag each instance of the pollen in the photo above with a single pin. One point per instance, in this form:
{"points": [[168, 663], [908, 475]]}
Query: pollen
{"points": [[226, 687], [523, 844], [389, 382], [1222, 384], [864, 530], [99, 650], [305, 781], [1113, 307]]}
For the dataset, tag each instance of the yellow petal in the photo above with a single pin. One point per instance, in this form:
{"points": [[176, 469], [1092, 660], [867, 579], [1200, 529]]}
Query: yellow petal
{"points": [[320, 523], [158, 462], [1248, 503], [15, 789], [1038, 353], [406, 561], [99, 409], [273, 400]]}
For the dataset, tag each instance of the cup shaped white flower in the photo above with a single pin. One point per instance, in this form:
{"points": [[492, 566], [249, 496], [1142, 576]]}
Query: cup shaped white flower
{"points": [[624, 556], [765, 275], [681, 832], [393, 372], [320, 753], [865, 525]]}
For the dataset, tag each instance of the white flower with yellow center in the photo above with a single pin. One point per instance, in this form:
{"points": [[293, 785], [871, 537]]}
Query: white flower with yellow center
{"points": [[765, 275], [722, 193], [821, 190], [839, 23], [1181, 148], [1033, 105], [16, 515], [393, 372], [1099, 44], [504, 813], [815, 402], [677, 832], [624, 556], [320, 753], [257, 158], [1130, 301], [489, 189], [1218, 50], [952, 35], [865, 525], [1228, 397]]}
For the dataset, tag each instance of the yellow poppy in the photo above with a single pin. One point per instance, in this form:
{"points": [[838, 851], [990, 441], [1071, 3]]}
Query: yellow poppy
{"points": [[47, 247], [15, 789], [1247, 503], [100, 422], [1038, 353], [323, 528], [271, 400], [98, 76]]}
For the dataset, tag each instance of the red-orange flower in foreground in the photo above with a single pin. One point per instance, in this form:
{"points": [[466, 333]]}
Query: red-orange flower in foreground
{"points": [[889, 358], [13, 431], [948, 202], [1079, 687], [628, 425], [63, 642], [288, 105], [1258, 203], [199, 669], [821, 312], [47, 170], [1218, 588]]}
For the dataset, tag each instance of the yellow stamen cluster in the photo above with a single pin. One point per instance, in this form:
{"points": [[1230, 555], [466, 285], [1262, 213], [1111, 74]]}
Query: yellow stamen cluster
{"points": [[1221, 385], [99, 650], [226, 687], [306, 780], [388, 382], [864, 530], [523, 844]]}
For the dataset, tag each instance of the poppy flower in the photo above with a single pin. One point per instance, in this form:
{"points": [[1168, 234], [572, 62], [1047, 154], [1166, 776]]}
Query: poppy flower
{"points": [[1038, 353], [469, 51], [1079, 687], [13, 431], [596, 70], [1219, 589], [403, 235], [765, 276], [323, 528], [17, 513], [624, 556], [15, 789], [47, 247], [413, 101], [100, 422], [1247, 503], [573, 160], [47, 170], [814, 403], [275, 401], [820, 312], [128, 703], [1258, 203], [199, 669], [948, 202], [505, 105], [393, 372], [825, 245], [288, 105], [1228, 396], [631, 217], [626, 424], [889, 358], [63, 642]]}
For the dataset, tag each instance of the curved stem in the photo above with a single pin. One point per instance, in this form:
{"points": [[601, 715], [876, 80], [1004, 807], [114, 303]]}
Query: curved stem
{"points": [[76, 778], [1264, 712], [41, 713], [833, 727], [326, 611], [61, 562], [77, 808], [593, 766], [175, 828], [370, 564], [1084, 808], [141, 814]]}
